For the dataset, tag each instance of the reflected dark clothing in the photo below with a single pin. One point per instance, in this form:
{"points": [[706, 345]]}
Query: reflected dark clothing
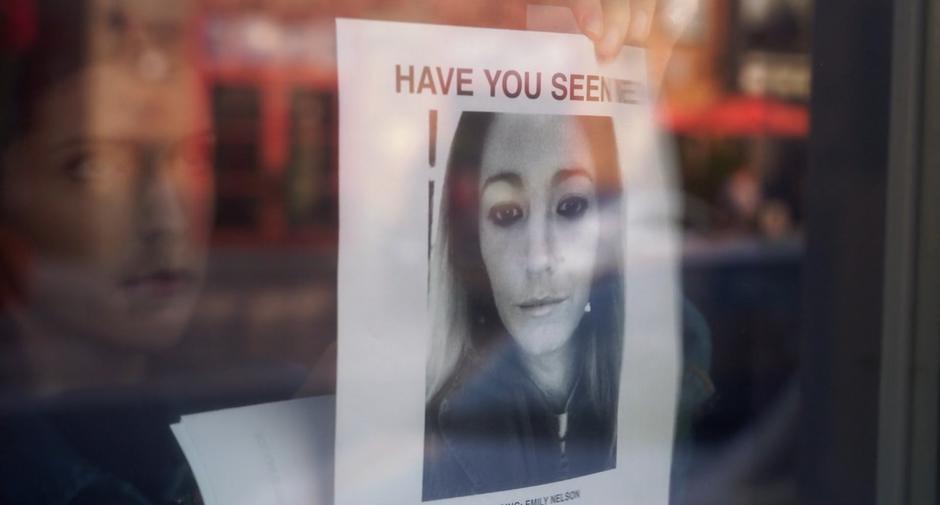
{"points": [[115, 446], [113, 453], [495, 431]]}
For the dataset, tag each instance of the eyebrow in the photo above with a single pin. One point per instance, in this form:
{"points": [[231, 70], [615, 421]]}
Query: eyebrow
{"points": [[70, 142], [567, 173], [515, 180], [508, 177]]}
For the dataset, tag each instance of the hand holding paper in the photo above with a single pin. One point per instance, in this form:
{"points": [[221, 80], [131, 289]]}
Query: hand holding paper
{"points": [[610, 24]]}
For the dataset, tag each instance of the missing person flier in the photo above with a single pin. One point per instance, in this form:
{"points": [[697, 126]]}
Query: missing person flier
{"points": [[508, 296]]}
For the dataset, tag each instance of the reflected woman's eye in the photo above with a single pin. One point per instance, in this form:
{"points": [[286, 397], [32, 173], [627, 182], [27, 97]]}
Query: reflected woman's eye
{"points": [[79, 168], [505, 214], [572, 207]]}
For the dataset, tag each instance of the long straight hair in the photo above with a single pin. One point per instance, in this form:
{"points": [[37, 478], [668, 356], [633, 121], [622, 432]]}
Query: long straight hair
{"points": [[464, 320]]}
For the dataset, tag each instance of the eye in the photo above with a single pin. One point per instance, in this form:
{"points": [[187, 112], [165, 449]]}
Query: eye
{"points": [[572, 207], [505, 214], [79, 168]]}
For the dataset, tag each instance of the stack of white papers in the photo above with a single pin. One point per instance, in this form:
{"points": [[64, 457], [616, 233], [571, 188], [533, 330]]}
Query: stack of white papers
{"points": [[270, 454]]}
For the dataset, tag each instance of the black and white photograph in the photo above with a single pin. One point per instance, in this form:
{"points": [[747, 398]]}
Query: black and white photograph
{"points": [[527, 305]]}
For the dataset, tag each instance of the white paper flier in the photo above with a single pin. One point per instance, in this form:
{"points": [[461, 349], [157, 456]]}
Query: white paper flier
{"points": [[506, 221], [278, 453]]}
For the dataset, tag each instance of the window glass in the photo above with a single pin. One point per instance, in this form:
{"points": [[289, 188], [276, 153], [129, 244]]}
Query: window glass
{"points": [[169, 223]]}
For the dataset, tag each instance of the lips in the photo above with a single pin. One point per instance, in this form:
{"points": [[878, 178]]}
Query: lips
{"points": [[160, 283], [541, 306]]}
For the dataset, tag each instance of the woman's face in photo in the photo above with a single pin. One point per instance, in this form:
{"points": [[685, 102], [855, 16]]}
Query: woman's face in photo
{"points": [[539, 226], [112, 191]]}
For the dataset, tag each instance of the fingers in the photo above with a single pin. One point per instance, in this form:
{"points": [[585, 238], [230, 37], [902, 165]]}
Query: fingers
{"points": [[616, 26], [641, 19], [672, 18], [613, 23], [676, 16], [590, 17]]}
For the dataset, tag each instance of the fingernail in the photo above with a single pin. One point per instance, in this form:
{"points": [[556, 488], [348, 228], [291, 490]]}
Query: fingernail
{"points": [[678, 16], [640, 26], [592, 25]]}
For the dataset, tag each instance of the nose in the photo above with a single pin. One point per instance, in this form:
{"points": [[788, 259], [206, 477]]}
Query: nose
{"points": [[541, 248], [161, 212]]}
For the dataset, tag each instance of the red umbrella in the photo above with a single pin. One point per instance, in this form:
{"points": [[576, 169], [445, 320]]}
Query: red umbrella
{"points": [[739, 116]]}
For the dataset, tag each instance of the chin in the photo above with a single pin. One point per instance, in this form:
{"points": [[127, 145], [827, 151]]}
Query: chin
{"points": [[144, 332], [539, 343], [138, 337], [149, 324]]}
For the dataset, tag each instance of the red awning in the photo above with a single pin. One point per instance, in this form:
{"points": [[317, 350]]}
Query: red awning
{"points": [[739, 117]]}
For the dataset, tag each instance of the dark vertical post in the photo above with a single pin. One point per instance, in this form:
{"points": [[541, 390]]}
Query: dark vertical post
{"points": [[845, 241]]}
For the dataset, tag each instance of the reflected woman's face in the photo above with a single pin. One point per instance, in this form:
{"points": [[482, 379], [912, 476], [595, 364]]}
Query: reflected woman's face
{"points": [[539, 226], [112, 190]]}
